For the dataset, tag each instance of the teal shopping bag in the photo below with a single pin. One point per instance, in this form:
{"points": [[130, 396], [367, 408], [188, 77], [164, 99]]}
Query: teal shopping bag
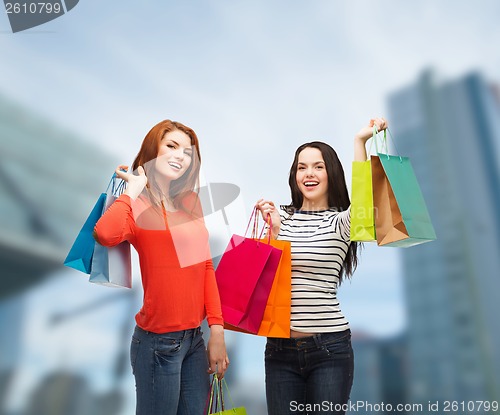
{"points": [[410, 201], [82, 250], [402, 218]]}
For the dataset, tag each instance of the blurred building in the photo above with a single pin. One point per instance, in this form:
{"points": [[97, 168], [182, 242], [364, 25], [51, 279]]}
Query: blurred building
{"points": [[451, 132], [367, 385], [49, 181], [379, 370]]}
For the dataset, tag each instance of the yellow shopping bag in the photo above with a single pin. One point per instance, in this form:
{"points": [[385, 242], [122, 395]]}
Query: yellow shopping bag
{"points": [[362, 211]]}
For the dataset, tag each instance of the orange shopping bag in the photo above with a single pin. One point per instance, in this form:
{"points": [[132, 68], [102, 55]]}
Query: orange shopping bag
{"points": [[276, 320]]}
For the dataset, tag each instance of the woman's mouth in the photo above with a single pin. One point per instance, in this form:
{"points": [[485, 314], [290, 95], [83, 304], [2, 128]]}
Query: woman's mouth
{"points": [[176, 166], [311, 183]]}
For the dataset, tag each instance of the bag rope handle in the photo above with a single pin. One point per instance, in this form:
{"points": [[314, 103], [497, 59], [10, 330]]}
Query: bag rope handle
{"points": [[252, 216], [116, 189], [394, 143], [217, 390], [269, 221], [384, 141], [255, 227]]}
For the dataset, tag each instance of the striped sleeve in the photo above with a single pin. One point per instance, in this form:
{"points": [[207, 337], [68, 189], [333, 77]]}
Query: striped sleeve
{"points": [[341, 223]]}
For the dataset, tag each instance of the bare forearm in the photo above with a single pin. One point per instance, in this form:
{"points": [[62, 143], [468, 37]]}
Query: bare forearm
{"points": [[364, 135], [359, 149]]}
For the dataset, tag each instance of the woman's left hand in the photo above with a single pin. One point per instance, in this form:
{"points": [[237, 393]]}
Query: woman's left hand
{"points": [[216, 350]]}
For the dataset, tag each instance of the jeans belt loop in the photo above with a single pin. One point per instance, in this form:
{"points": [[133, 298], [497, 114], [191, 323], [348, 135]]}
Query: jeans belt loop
{"points": [[317, 340], [280, 344]]}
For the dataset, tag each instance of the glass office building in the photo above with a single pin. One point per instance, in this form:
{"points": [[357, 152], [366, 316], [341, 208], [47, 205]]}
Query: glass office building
{"points": [[49, 180], [450, 130]]}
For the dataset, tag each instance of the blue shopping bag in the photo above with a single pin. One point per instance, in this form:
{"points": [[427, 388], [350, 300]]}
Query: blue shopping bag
{"points": [[80, 254]]}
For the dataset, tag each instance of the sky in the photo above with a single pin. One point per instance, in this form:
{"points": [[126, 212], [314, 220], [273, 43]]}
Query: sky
{"points": [[254, 79]]}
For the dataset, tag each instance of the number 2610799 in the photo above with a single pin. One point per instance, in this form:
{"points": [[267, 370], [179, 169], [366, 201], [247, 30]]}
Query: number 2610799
{"points": [[33, 8]]}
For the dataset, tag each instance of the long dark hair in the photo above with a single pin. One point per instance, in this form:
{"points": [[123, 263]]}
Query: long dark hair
{"points": [[338, 196]]}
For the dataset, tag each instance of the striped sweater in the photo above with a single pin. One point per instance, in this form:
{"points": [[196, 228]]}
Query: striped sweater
{"points": [[319, 243]]}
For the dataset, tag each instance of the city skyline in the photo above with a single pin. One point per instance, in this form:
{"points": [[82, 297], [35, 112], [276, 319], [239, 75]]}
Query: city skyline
{"points": [[453, 335], [254, 80]]}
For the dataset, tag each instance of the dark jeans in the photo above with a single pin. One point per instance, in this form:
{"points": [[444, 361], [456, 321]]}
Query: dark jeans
{"points": [[170, 372], [311, 375]]}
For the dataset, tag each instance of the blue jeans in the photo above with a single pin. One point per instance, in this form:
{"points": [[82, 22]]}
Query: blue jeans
{"points": [[310, 375], [170, 372]]}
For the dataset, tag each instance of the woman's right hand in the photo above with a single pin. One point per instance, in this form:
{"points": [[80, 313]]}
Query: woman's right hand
{"points": [[267, 208], [135, 182]]}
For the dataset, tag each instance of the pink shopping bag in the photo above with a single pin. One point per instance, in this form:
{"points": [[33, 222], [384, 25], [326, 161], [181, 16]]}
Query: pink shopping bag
{"points": [[245, 276]]}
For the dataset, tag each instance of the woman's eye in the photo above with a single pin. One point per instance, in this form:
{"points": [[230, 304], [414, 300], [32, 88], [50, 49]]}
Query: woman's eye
{"points": [[188, 153], [170, 146]]}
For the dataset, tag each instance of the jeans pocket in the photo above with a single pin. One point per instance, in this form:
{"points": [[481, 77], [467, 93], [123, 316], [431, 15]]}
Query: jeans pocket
{"points": [[168, 347], [134, 351], [340, 349]]}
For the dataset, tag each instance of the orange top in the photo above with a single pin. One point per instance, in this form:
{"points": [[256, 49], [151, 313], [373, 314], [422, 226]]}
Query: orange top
{"points": [[176, 268]]}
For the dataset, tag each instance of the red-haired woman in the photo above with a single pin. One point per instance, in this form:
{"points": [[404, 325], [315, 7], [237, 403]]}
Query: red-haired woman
{"points": [[312, 372], [160, 215]]}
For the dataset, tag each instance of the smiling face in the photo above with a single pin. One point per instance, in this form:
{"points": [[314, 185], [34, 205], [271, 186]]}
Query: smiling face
{"points": [[174, 155], [312, 179]]}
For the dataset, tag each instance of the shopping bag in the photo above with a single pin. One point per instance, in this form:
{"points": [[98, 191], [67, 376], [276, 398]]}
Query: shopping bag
{"points": [[215, 401], [276, 319], [112, 266], [80, 254], [401, 219], [388, 219], [362, 213], [245, 276]]}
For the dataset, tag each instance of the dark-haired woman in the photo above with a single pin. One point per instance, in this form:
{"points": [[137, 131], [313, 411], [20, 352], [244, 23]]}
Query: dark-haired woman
{"points": [[312, 372], [160, 215]]}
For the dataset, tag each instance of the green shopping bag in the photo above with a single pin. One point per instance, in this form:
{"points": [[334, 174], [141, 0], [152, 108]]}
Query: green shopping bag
{"points": [[215, 401], [362, 208], [362, 218], [401, 219]]}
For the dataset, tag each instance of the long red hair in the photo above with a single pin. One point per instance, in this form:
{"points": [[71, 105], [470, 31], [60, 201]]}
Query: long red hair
{"points": [[186, 184]]}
